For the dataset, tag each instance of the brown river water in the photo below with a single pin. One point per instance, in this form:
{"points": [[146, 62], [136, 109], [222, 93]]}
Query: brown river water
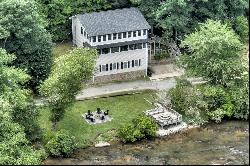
{"points": [[226, 143]]}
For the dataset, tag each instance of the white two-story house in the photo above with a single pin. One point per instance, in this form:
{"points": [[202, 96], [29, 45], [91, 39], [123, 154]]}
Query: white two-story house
{"points": [[121, 38]]}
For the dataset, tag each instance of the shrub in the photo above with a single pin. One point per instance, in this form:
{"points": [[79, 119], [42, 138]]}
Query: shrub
{"points": [[160, 56], [62, 144], [188, 100], [141, 127], [241, 27]]}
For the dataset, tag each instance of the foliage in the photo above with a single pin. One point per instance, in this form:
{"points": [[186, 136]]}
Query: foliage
{"points": [[242, 28], [14, 148], [232, 101], [141, 127], [22, 109], [22, 33], [188, 100], [65, 79], [215, 53], [160, 56], [62, 144], [58, 13], [174, 17]]}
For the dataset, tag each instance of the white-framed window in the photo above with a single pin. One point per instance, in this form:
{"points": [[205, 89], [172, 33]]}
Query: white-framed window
{"points": [[104, 68], [124, 48], [109, 36], [99, 38], [114, 65], [136, 62], [125, 65], [144, 45], [129, 34], [139, 33], [114, 49], [119, 35], [124, 35], [104, 37], [114, 36], [94, 39], [134, 33], [144, 32]]}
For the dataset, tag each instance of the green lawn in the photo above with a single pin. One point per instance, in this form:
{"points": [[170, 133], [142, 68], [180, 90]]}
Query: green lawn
{"points": [[122, 109]]}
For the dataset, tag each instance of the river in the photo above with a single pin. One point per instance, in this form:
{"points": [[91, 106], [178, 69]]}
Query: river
{"points": [[224, 143]]}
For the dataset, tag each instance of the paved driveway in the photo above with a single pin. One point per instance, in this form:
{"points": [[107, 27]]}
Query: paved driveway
{"points": [[125, 86]]}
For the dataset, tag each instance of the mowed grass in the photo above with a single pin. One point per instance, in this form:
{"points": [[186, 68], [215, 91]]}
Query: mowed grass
{"points": [[122, 109]]}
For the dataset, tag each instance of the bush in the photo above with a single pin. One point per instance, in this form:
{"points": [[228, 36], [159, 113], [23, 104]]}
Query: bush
{"points": [[62, 144], [188, 100], [241, 28], [160, 56], [141, 127]]}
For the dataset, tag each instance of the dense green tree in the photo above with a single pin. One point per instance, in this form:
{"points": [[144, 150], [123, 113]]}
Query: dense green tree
{"points": [[58, 13], [17, 122], [148, 7], [174, 17], [23, 110], [215, 53], [14, 148], [241, 28], [65, 80], [22, 33]]}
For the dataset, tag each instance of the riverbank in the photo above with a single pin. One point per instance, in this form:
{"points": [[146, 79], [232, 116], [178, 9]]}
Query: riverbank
{"points": [[224, 143]]}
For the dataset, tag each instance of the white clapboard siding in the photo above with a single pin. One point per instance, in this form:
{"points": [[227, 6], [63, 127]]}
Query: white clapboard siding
{"points": [[121, 57], [78, 38]]}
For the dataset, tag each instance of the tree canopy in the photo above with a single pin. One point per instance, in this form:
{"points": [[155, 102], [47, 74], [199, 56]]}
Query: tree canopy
{"points": [[22, 32], [65, 79]]}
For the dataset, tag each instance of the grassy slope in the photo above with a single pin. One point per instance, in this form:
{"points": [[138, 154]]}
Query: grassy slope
{"points": [[122, 109], [61, 48]]}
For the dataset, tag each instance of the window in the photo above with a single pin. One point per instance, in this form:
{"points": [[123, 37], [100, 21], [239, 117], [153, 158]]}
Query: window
{"points": [[110, 66], [144, 45], [121, 65], [109, 36], [136, 62], [128, 64], [100, 68], [129, 34], [131, 47], [105, 51], [119, 35], [104, 38], [99, 38], [134, 33], [114, 65], [98, 51], [124, 35], [94, 38], [144, 32], [133, 63], [114, 49], [117, 65], [125, 65], [139, 33], [139, 62], [85, 33], [103, 67], [138, 46], [124, 48], [114, 36], [81, 30]]}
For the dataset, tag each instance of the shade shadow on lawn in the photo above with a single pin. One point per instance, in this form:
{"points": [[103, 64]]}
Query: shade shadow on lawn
{"points": [[122, 109]]}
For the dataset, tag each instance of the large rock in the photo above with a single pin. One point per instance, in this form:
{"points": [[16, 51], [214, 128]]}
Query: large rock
{"points": [[101, 144]]}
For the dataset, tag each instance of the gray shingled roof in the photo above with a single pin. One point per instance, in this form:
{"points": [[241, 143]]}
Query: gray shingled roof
{"points": [[113, 21]]}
